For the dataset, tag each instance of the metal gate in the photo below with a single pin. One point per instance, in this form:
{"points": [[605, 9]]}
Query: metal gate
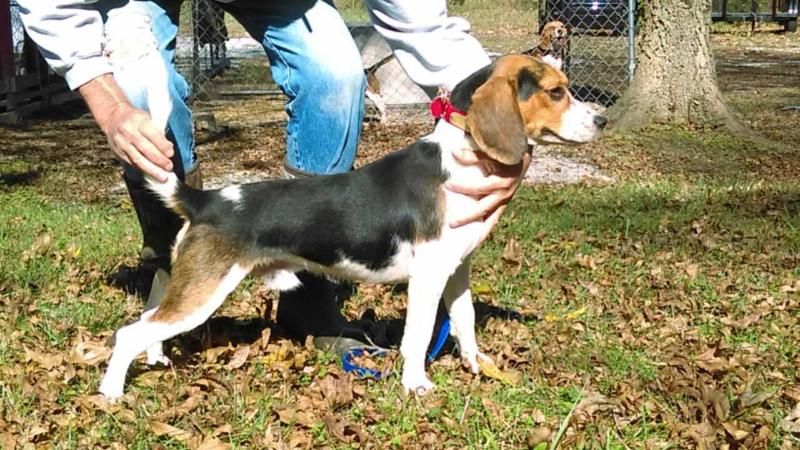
{"points": [[601, 57], [26, 83]]}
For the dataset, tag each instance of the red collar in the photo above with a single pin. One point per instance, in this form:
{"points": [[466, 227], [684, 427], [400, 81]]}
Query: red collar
{"points": [[441, 108]]}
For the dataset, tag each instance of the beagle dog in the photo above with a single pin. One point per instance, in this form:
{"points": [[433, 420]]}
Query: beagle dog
{"points": [[553, 45], [386, 222]]}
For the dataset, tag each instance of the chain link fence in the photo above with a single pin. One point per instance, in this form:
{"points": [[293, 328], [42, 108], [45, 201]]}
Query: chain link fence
{"points": [[211, 43], [17, 40], [219, 58], [13, 58], [600, 57], [599, 60]]}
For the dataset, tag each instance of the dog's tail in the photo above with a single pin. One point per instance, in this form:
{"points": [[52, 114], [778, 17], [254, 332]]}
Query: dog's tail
{"points": [[131, 47], [185, 200], [178, 196], [132, 50]]}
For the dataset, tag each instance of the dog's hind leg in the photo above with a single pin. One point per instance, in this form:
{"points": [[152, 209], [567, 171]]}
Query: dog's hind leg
{"points": [[155, 353], [202, 277]]}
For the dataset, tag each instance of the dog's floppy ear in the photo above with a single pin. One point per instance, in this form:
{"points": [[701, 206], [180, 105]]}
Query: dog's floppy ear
{"points": [[495, 122], [546, 38]]}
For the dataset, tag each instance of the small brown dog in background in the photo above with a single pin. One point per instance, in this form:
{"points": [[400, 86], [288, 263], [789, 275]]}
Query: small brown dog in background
{"points": [[553, 45]]}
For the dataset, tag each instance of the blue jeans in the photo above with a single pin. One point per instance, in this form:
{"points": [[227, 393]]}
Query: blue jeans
{"points": [[314, 60]]}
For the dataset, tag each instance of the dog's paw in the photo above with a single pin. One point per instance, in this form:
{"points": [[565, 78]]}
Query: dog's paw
{"points": [[417, 385], [473, 361], [155, 355], [158, 359], [111, 390]]}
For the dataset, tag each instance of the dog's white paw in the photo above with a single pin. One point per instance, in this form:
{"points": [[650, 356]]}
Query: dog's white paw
{"points": [[155, 355], [472, 361], [160, 359], [417, 385], [111, 389]]}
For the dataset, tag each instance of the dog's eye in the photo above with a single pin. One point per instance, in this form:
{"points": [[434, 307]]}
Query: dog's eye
{"points": [[556, 94]]}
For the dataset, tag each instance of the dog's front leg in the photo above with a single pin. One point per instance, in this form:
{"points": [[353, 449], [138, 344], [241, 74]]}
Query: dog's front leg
{"points": [[425, 286], [458, 300]]}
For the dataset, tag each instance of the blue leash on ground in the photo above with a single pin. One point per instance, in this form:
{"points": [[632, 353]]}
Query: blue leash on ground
{"points": [[365, 372]]}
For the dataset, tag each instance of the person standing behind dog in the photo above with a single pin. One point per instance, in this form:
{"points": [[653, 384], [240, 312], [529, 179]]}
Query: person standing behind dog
{"points": [[317, 65]]}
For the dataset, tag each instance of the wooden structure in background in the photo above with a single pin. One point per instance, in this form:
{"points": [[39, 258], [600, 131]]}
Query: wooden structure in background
{"points": [[26, 83]]}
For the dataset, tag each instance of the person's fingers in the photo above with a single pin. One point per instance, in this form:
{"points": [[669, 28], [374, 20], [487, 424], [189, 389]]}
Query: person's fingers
{"points": [[485, 206], [149, 151], [526, 161], [485, 186], [467, 156], [526, 164], [136, 159], [122, 156], [157, 137], [495, 189], [136, 140]]}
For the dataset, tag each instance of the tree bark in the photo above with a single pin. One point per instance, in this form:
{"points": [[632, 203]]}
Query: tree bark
{"points": [[675, 81]]}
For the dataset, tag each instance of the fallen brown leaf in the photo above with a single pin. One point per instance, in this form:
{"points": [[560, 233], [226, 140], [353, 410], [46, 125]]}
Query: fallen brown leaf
{"points": [[335, 428], [161, 429], [591, 404], [291, 415], [337, 391], [749, 399], [239, 357], [791, 423], [512, 251], [537, 436], [711, 363], [212, 443], [734, 431], [42, 244], [89, 353]]}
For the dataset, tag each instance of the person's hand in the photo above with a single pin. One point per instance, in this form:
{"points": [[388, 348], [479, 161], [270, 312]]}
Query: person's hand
{"points": [[135, 139], [495, 190], [133, 136]]}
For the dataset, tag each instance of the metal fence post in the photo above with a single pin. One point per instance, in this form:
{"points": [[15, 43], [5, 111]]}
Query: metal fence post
{"points": [[195, 68], [631, 38]]}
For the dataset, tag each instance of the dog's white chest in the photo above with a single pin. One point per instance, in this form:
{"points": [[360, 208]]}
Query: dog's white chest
{"points": [[459, 241], [553, 61]]}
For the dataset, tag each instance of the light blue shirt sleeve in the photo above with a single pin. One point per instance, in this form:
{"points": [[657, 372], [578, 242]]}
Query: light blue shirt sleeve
{"points": [[69, 34], [434, 49]]}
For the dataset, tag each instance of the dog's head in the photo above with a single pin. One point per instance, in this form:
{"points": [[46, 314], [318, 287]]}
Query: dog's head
{"points": [[554, 36], [518, 100]]}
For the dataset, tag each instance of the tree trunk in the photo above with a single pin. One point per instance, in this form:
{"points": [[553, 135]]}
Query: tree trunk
{"points": [[675, 80]]}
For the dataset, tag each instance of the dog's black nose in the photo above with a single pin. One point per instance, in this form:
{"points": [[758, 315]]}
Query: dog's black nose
{"points": [[600, 122]]}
